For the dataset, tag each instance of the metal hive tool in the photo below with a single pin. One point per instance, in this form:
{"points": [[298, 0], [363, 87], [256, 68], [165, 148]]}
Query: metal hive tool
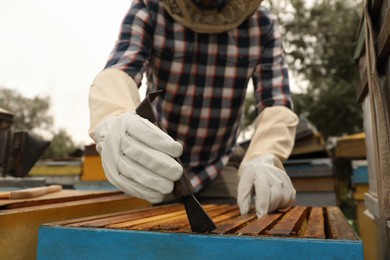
{"points": [[199, 220]]}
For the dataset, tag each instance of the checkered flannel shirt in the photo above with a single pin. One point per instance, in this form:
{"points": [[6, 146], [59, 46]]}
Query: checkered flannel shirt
{"points": [[205, 78]]}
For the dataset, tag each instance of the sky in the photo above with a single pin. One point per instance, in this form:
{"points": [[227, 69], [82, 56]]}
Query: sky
{"points": [[53, 48]]}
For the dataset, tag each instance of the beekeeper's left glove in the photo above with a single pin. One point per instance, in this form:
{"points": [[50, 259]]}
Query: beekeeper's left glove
{"points": [[271, 185], [261, 171]]}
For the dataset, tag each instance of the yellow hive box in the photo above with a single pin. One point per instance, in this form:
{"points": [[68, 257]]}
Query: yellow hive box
{"points": [[20, 219], [50, 168], [92, 166]]}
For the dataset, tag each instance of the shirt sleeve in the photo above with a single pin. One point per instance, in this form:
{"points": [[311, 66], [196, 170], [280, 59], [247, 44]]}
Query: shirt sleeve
{"points": [[133, 47], [270, 78]]}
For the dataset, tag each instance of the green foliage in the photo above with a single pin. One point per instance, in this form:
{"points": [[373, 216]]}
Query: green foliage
{"points": [[29, 113], [320, 41], [60, 147], [249, 111], [32, 115], [334, 112]]}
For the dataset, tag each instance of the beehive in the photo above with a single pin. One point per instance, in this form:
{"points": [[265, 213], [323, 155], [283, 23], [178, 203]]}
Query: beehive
{"points": [[164, 233], [20, 218]]}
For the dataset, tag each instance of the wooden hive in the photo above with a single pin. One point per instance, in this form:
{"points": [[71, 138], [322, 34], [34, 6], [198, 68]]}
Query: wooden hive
{"points": [[20, 218], [372, 56], [163, 233]]}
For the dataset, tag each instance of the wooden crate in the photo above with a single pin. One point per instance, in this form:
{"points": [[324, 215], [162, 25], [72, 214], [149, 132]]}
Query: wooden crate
{"points": [[300, 232], [351, 146], [367, 228], [20, 219], [92, 166], [373, 59], [63, 172]]}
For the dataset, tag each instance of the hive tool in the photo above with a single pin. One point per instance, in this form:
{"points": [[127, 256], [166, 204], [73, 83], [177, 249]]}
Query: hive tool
{"points": [[199, 221]]}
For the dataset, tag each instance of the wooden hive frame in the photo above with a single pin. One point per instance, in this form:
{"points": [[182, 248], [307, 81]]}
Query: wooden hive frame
{"points": [[164, 233]]}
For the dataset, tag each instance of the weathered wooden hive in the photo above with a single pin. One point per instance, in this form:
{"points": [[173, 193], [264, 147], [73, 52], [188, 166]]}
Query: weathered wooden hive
{"points": [[164, 233]]}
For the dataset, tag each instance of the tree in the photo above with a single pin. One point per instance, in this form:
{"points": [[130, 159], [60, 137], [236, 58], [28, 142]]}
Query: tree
{"points": [[320, 43], [32, 115], [60, 147]]}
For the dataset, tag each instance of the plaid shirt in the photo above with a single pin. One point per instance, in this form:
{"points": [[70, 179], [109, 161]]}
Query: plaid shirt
{"points": [[205, 77]]}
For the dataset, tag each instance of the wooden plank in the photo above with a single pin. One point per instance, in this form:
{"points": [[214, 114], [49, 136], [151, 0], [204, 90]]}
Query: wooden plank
{"points": [[383, 40], [156, 222], [89, 219], [160, 224], [173, 224], [338, 226], [227, 215], [75, 202], [137, 221], [58, 197], [182, 223], [231, 225], [130, 216], [127, 216], [291, 223], [160, 216], [316, 225], [221, 210], [260, 225], [30, 192], [225, 212]]}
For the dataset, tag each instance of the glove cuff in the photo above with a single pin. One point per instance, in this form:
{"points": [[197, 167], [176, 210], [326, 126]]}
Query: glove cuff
{"points": [[101, 131], [112, 93], [274, 134]]}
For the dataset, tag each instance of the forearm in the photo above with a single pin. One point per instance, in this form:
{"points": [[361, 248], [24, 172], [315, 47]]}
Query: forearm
{"points": [[271, 79], [275, 129], [115, 89], [112, 92]]}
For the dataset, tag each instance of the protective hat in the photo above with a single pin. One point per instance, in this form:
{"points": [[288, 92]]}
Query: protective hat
{"points": [[187, 13]]}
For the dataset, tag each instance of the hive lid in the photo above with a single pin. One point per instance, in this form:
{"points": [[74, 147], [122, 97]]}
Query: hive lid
{"points": [[6, 115]]}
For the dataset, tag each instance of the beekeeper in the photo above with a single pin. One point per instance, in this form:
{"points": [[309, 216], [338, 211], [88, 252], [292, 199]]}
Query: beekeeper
{"points": [[202, 54]]}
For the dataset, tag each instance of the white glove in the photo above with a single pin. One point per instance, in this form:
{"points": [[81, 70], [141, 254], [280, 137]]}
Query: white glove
{"points": [[262, 167], [138, 157], [136, 154], [273, 187]]}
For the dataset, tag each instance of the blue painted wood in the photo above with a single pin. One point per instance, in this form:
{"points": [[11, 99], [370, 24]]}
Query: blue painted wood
{"points": [[82, 243], [360, 175]]}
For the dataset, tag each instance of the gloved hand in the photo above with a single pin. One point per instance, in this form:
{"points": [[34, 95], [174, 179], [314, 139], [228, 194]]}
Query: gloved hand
{"points": [[138, 158], [262, 170], [273, 188]]}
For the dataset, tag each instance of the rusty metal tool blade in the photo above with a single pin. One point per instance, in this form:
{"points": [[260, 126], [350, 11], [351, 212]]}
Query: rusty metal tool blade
{"points": [[199, 220]]}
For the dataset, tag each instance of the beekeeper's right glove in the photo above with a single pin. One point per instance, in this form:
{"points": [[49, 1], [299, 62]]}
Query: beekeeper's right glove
{"points": [[137, 156]]}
